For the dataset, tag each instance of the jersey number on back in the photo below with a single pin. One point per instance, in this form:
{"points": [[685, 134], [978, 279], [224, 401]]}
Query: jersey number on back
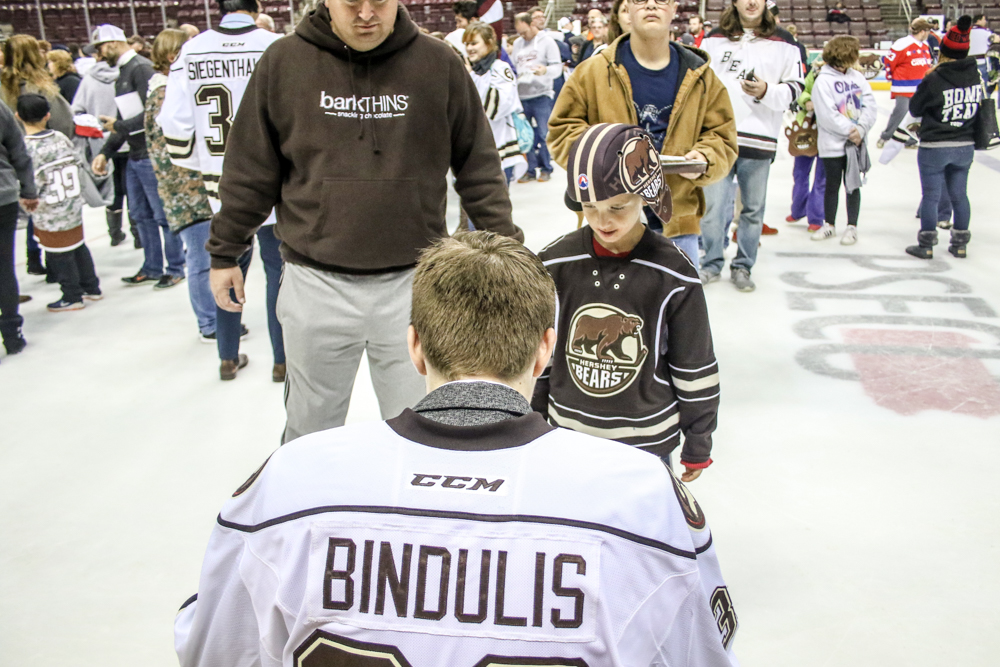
{"points": [[221, 119], [323, 649], [65, 183]]}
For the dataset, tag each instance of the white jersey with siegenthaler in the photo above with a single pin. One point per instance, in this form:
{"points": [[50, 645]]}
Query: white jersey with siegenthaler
{"points": [[397, 543], [204, 90]]}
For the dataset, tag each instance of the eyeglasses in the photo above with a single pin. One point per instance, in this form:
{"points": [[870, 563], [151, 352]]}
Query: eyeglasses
{"points": [[659, 3]]}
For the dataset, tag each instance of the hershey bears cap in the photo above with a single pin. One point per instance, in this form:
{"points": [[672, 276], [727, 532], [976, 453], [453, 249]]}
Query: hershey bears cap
{"points": [[610, 159]]}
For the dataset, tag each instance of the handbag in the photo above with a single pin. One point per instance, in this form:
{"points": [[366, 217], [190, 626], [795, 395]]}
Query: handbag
{"points": [[803, 139], [987, 135], [525, 133]]}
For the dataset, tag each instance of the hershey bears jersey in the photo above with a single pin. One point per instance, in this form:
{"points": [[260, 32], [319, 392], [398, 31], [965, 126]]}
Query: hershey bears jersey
{"points": [[418, 544], [634, 360], [204, 90]]}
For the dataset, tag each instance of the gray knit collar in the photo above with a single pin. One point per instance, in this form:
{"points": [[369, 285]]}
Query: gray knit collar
{"points": [[472, 403]]}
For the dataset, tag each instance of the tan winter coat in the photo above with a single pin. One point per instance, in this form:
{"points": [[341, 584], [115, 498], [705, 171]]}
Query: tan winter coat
{"points": [[702, 119]]}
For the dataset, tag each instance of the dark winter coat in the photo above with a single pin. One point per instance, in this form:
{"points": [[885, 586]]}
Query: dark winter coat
{"points": [[133, 77]]}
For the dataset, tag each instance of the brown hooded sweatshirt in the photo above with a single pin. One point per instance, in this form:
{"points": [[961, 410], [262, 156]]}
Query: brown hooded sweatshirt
{"points": [[353, 149]]}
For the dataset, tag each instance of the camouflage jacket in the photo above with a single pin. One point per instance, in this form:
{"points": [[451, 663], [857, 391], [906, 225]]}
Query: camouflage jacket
{"points": [[182, 191], [58, 219]]}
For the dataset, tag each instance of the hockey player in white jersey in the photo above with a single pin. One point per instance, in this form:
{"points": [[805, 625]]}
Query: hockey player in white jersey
{"points": [[466, 532], [204, 90]]}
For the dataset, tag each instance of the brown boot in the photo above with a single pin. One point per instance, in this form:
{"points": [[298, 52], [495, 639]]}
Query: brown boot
{"points": [[278, 373], [229, 367]]}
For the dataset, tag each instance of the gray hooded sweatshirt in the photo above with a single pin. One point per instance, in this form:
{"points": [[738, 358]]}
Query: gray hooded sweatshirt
{"points": [[96, 96]]}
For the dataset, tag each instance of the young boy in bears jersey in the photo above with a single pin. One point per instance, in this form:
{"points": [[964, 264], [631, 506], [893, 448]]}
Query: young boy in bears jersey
{"points": [[634, 359]]}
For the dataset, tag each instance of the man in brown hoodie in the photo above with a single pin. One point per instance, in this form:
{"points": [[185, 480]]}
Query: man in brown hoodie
{"points": [[348, 128], [667, 88]]}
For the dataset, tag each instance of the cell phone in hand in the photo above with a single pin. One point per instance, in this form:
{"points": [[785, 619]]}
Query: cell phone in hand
{"points": [[751, 76]]}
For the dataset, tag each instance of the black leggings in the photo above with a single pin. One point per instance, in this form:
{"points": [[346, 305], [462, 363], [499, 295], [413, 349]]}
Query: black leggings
{"points": [[9, 295], [836, 170]]}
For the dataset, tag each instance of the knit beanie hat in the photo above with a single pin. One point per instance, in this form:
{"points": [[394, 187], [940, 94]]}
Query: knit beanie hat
{"points": [[956, 43]]}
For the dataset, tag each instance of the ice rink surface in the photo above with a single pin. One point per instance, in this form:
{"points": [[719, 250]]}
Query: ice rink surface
{"points": [[853, 501]]}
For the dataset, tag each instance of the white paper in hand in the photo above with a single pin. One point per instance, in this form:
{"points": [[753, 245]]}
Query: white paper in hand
{"points": [[129, 105]]}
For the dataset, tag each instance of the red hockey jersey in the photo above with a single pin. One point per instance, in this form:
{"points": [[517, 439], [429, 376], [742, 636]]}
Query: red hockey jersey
{"points": [[906, 64]]}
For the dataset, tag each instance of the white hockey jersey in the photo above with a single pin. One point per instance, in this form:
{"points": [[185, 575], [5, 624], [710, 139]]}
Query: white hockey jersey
{"points": [[775, 60], [416, 543], [497, 89], [204, 90]]}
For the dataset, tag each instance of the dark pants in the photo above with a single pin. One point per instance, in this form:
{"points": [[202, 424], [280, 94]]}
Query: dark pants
{"points": [[118, 178], [229, 325], [32, 243], [944, 170], [146, 209], [836, 168], [9, 294], [74, 270]]}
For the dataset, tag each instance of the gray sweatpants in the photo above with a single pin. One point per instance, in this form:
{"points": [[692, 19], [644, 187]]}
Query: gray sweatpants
{"points": [[328, 320], [898, 114]]}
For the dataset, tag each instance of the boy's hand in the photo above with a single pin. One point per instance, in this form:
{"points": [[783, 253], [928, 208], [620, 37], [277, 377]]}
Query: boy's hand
{"points": [[854, 136], [691, 474], [696, 156], [29, 205], [100, 165]]}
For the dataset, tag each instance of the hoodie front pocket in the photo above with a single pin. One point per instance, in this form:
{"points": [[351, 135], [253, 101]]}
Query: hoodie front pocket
{"points": [[371, 224]]}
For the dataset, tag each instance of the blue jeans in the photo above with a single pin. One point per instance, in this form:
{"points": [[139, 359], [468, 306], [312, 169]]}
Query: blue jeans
{"points": [[752, 178], [198, 264], [146, 209], [944, 169], [270, 254], [539, 109], [228, 325], [689, 244], [808, 202]]}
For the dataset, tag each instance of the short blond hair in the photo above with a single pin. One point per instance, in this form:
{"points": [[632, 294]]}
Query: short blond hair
{"points": [[62, 62], [167, 45], [481, 305]]}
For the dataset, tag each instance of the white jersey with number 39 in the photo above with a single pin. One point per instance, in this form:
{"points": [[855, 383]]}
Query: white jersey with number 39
{"points": [[204, 90], [394, 544]]}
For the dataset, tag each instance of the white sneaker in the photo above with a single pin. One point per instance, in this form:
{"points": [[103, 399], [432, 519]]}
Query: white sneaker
{"points": [[825, 232], [850, 236]]}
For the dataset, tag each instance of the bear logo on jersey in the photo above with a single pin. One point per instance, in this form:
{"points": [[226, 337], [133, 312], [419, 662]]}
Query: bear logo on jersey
{"points": [[604, 350]]}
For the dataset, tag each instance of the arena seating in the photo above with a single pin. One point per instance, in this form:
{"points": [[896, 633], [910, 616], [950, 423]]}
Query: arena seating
{"points": [[65, 22]]}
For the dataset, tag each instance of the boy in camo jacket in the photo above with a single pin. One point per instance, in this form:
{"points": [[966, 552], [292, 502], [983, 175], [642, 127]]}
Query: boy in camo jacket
{"points": [[185, 200], [59, 217]]}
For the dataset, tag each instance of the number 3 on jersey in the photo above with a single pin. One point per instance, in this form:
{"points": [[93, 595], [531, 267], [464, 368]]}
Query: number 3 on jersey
{"points": [[221, 119]]}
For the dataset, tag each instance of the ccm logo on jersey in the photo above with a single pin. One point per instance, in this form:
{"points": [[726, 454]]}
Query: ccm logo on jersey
{"points": [[457, 482]]}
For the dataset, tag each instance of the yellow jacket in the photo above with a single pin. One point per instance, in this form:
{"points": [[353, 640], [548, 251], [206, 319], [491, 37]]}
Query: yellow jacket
{"points": [[702, 119]]}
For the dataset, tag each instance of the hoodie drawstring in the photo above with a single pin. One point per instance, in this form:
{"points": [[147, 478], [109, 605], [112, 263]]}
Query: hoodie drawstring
{"points": [[375, 148], [354, 94]]}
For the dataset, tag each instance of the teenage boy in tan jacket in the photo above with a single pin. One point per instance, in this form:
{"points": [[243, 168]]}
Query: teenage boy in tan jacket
{"points": [[667, 88]]}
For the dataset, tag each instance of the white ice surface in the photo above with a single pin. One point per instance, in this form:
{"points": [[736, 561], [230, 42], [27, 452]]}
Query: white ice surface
{"points": [[849, 534]]}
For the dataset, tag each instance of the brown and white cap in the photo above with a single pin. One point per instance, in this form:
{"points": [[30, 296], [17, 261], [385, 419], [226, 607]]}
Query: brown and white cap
{"points": [[611, 159]]}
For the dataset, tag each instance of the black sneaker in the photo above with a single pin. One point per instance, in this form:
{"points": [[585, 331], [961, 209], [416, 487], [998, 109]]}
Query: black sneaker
{"points": [[139, 279], [15, 345], [211, 337], [167, 281], [63, 305]]}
